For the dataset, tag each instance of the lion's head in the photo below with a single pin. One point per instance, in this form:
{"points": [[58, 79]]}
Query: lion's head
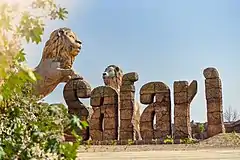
{"points": [[63, 46], [112, 76]]}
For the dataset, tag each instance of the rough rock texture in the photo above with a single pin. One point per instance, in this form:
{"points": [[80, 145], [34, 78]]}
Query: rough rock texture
{"points": [[124, 85], [127, 101], [104, 121], [213, 91], [73, 90], [183, 96], [55, 66], [161, 108]]}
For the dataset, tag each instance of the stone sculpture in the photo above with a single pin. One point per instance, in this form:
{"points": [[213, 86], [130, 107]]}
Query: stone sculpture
{"points": [[161, 108], [129, 109], [58, 56], [104, 121], [73, 90], [213, 91], [183, 96]]}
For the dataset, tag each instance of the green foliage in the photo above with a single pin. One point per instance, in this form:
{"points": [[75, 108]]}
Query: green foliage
{"points": [[168, 140], [16, 25], [187, 141], [113, 142], [201, 127], [130, 141], [30, 129]]}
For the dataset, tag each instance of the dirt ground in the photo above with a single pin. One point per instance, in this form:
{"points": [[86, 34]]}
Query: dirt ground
{"points": [[213, 154], [222, 146]]}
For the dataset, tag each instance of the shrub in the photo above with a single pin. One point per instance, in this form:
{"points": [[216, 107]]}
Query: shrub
{"points": [[29, 129]]}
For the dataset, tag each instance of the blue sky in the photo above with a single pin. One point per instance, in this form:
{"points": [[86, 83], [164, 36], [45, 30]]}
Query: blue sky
{"points": [[161, 40]]}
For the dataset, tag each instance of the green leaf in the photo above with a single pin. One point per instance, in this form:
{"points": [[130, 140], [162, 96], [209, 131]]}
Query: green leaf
{"points": [[75, 122], [62, 12], [1, 98], [20, 57], [84, 124], [2, 153], [32, 76]]}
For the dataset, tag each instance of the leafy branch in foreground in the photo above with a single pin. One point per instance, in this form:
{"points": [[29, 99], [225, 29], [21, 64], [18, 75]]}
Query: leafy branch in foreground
{"points": [[29, 129], [18, 25]]}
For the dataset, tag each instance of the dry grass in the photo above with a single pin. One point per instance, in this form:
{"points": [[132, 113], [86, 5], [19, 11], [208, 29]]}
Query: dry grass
{"points": [[223, 140]]}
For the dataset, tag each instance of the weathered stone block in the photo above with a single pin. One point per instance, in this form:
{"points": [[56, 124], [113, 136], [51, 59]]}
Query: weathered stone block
{"points": [[126, 135], [96, 135], [180, 97], [181, 110], [213, 93], [147, 115], [95, 124], [131, 76], [162, 97], [161, 109], [214, 106], [146, 98], [147, 135], [110, 111], [180, 86], [110, 100], [127, 95], [215, 129], [126, 125], [210, 73], [146, 126], [183, 96], [110, 134], [96, 101], [213, 83], [110, 123], [215, 118], [127, 88], [126, 114], [127, 104], [181, 121]]}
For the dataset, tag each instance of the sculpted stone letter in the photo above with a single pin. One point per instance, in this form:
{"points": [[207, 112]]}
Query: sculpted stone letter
{"points": [[127, 96], [183, 96], [73, 90], [104, 121], [213, 91], [161, 108], [130, 109]]}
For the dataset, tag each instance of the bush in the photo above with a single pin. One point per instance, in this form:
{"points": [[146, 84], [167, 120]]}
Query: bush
{"points": [[31, 129]]}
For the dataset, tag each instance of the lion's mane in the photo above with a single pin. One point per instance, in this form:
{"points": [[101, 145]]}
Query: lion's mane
{"points": [[60, 48]]}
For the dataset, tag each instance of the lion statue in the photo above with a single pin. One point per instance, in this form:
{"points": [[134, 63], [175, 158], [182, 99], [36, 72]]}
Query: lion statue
{"points": [[112, 76], [58, 56]]}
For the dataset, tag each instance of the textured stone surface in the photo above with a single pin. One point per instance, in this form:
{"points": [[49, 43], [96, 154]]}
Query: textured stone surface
{"points": [[127, 104], [55, 66], [130, 110], [104, 121], [73, 90], [183, 95], [161, 108], [213, 91]]}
